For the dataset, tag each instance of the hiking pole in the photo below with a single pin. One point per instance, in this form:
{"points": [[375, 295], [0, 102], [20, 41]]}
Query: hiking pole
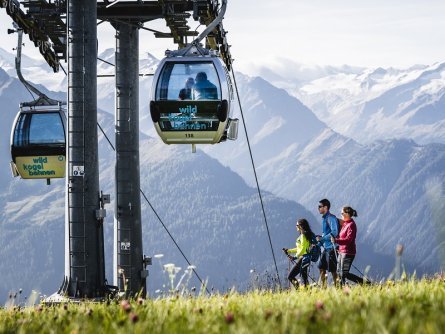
{"points": [[288, 266], [339, 273], [313, 280], [309, 275], [333, 245], [286, 253], [358, 270], [309, 266], [288, 272], [289, 257]]}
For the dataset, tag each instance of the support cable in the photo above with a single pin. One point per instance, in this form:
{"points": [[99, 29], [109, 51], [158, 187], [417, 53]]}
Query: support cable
{"points": [[112, 75], [160, 220], [176, 244], [106, 62], [137, 25], [256, 177], [63, 69]]}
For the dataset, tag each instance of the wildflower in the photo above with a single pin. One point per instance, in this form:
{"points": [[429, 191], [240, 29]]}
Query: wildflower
{"points": [[133, 317], [126, 306], [346, 291], [169, 266], [319, 305], [229, 318], [140, 301]]}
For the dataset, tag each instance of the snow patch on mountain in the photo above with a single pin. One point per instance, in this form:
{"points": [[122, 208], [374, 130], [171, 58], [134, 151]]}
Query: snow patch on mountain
{"points": [[381, 103], [274, 124]]}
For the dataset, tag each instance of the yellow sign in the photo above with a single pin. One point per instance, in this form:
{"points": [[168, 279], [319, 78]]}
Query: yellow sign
{"points": [[41, 167]]}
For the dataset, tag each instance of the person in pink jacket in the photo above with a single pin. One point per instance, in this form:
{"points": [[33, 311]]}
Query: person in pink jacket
{"points": [[347, 248]]}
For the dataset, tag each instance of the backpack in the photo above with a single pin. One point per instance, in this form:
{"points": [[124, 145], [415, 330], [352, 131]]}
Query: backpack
{"points": [[314, 250]]}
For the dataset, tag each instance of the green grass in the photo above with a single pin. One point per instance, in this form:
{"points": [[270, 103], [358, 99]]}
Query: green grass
{"points": [[408, 307]]}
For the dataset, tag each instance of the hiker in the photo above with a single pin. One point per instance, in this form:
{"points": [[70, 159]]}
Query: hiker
{"points": [[347, 247], [186, 92], [301, 251], [328, 259], [203, 89]]}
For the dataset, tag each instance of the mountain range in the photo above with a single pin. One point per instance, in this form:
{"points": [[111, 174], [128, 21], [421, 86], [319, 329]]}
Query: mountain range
{"points": [[209, 200], [369, 104]]}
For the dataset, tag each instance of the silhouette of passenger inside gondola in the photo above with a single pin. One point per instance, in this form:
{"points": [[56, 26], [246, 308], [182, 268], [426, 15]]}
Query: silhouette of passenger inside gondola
{"points": [[186, 92], [203, 89]]}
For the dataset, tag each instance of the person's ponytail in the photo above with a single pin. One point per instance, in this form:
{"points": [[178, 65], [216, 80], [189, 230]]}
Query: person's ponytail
{"points": [[350, 211]]}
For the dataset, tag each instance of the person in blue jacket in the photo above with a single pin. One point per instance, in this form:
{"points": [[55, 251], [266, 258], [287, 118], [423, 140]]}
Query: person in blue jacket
{"points": [[328, 259], [203, 89]]}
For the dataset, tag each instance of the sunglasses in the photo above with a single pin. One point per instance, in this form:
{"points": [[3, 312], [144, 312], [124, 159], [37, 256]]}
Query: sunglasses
{"points": [[320, 206]]}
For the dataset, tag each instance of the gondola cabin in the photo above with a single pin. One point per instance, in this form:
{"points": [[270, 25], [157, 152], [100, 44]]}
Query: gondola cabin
{"points": [[38, 145], [192, 100]]}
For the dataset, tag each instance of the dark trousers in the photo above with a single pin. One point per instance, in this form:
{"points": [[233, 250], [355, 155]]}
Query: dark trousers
{"points": [[344, 263], [299, 268]]}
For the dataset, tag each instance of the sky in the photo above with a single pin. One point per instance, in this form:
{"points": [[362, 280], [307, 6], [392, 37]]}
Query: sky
{"points": [[397, 33]]}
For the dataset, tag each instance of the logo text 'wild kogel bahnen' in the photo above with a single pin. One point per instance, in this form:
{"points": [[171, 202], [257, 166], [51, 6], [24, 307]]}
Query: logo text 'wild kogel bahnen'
{"points": [[38, 167], [185, 120]]}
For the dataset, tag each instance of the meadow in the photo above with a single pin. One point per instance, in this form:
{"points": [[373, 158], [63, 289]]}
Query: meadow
{"points": [[414, 306]]}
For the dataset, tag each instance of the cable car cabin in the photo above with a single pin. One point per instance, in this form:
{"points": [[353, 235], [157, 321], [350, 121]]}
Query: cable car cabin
{"points": [[192, 99], [38, 146]]}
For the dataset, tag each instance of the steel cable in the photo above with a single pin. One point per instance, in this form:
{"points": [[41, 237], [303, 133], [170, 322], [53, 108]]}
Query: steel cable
{"points": [[256, 177]]}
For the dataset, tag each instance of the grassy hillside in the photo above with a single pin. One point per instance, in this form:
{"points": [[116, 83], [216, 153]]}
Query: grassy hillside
{"points": [[409, 307]]}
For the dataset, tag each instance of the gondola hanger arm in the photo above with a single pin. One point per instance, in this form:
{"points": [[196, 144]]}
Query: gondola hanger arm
{"points": [[42, 98]]}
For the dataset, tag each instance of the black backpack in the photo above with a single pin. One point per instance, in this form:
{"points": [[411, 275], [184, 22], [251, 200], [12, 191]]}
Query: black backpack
{"points": [[314, 250]]}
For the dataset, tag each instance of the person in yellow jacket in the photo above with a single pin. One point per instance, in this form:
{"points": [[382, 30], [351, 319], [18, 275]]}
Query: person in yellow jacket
{"points": [[300, 253]]}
